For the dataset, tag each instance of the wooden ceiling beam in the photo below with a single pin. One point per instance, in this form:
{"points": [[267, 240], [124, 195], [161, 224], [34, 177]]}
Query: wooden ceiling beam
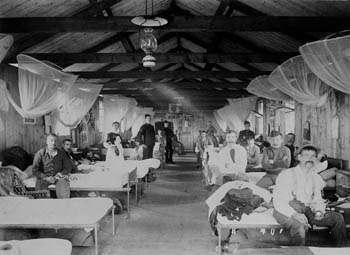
{"points": [[71, 58], [175, 85], [176, 24], [199, 107], [170, 74], [175, 93], [202, 99]]}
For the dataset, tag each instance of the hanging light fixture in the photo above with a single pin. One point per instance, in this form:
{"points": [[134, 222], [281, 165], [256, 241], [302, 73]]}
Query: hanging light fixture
{"points": [[148, 42]]}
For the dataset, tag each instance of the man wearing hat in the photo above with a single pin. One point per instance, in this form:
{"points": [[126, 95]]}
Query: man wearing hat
{"points": [[276, 158], [298, 202]]}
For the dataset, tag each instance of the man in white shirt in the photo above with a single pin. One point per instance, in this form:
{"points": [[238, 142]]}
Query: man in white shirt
{"points": [[298, 202], [232, 161]]}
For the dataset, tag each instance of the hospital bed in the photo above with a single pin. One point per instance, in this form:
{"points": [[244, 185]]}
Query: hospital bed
{"points": [[42, 246], [25, 213], [260, 218], [98, 179], [142, 167], [256, 220]]}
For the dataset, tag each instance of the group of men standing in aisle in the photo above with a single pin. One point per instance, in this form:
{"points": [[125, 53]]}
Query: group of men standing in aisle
{"points": [[147, 138]]}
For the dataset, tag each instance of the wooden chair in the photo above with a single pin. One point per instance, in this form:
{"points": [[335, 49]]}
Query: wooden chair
{"points": [[12, 185]]}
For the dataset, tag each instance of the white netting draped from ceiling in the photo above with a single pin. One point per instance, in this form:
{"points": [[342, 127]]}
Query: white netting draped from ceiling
{"points": [[42, 87], [262, 87], [296, 79], [79, 100], [237, 112], [329, 59]]}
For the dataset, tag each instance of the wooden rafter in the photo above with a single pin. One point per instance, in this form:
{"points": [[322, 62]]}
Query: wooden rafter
{"points": [[176, 24], [181, 92], [172, 74], [70, 58], [174, 85]]}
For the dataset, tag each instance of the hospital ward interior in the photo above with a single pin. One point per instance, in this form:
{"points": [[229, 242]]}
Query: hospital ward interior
{"points": [[180, 127]]}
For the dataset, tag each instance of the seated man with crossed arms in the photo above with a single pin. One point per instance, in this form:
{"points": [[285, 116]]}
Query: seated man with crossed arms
{"points": [[276, 158]]}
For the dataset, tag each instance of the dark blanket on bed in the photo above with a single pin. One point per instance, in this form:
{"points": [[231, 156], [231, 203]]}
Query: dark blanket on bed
{"points": [[18, 157], [236, 203]]}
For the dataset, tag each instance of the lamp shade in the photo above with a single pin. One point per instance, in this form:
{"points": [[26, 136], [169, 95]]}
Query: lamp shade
{"points": [[149, 21], [149, 61]]}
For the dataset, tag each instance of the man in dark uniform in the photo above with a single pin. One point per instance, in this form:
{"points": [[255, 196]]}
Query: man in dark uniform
{"points": [[169, 134], [147, 137], [244, 134]]}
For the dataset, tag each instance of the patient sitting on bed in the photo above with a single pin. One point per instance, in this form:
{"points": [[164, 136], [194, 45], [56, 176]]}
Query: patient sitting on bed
{"points": [[232, 160], [67, 148], [115, 152], [298, 202], [275, 159], [52, 166]]}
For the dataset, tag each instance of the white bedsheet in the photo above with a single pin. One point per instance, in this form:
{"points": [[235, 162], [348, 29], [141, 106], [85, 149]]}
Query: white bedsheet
{"points": [[19, 211], [42, 246], [142, 166], [98, 179], [332, 250]]}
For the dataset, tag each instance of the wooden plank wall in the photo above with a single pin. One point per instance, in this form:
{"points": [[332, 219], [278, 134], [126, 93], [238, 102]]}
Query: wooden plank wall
{"points": [[30, 137], [325, 133]]}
